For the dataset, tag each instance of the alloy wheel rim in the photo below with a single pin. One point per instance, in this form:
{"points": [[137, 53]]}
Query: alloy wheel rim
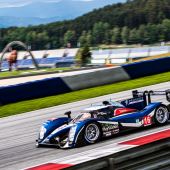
{"points": [[92, 132], [161, 115]]}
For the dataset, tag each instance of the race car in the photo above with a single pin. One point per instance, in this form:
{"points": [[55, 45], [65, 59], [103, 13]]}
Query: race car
{"points": [[106, 119]]}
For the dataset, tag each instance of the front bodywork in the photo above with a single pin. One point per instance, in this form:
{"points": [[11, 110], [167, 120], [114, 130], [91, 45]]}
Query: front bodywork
{"points": [[63, 136]]}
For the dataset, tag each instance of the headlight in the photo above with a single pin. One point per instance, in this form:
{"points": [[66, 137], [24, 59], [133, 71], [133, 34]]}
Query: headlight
{"points": [[72, 133], [42, 132]]}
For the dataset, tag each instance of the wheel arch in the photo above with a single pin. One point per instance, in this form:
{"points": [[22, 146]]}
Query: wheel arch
{"points": [[79, 136]]}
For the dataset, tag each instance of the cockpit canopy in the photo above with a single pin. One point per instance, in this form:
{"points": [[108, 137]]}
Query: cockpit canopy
{"points": [[81, 117]]}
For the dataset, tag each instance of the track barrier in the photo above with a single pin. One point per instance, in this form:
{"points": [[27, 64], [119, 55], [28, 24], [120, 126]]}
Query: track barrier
{"points": [[60, 85]]}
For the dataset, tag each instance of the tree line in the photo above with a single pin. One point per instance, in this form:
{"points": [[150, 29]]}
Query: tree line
{"points": [[136, 21], [101, 33]]}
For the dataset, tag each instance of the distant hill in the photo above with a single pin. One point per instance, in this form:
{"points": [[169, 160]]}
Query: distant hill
{"points": [[41, 12], [9, 21]]}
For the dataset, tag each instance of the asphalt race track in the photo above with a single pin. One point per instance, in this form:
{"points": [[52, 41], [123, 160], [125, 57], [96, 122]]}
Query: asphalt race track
{"points": [[18, 133]]}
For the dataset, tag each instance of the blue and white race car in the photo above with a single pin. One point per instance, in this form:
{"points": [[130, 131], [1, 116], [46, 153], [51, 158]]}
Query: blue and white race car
{"points": [[107, 119]]}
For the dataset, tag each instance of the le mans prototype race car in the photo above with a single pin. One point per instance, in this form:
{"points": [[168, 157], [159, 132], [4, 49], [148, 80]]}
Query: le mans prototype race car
{"points": [[105, 120]]}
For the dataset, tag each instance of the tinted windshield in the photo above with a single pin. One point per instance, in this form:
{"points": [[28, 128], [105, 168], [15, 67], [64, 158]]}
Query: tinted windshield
{"points": [[81, 117]]}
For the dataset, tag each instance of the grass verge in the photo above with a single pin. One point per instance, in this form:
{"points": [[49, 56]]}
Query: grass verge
{"points": [[32, 72], [30, 105]]}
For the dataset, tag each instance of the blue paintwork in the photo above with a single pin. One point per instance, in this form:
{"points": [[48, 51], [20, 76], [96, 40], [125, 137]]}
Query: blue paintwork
{"points": [[131, 118], [51, 125], [139, 104], [56, 128]]}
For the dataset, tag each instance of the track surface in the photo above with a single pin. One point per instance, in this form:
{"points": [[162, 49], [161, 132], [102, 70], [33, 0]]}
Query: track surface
{"points": [[18, 133]]}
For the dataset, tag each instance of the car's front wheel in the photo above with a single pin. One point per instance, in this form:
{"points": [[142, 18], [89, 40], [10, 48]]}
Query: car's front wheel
{"points": [[161, 115], [92, 133]]}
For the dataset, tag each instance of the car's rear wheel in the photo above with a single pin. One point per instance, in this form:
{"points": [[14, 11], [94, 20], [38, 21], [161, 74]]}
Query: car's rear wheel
{"points": [[161, 115]]}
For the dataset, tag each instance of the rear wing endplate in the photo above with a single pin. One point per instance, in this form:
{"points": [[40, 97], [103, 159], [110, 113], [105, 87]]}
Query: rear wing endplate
{"points": [[147, 94]]}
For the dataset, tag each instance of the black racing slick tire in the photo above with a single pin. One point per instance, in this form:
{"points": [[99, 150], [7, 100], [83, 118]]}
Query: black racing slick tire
{"points": [[161, 115]]}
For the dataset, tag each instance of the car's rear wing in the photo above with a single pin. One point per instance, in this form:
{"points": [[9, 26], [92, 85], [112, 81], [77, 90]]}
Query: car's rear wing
{"points": [[139, 101], [147, 94]]}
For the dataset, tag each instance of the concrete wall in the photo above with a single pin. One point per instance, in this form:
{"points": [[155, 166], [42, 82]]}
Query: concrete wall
{"points": [[96, 78]]}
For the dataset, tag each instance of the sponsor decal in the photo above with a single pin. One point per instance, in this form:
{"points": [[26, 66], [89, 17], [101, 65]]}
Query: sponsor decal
{"points": [[107, 134], [134, 100], [121, 111], [110, 129], [147, 120]]}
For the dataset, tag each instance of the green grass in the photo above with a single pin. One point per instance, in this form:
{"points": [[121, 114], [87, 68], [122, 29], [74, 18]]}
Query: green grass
{"points": [[30, 105], [31, 72]]}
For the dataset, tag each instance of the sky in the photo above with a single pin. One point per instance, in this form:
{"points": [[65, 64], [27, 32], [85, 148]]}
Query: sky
{"points": [[20, 3], [14, 12]]}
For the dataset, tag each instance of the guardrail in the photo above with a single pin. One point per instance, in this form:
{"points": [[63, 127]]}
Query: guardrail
{"points": [[32, 90], [152, 156], [147, 68], [60, 85]]}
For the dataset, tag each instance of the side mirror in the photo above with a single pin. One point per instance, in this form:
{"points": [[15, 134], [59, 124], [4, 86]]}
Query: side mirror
{"points": [[68, 114]]}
